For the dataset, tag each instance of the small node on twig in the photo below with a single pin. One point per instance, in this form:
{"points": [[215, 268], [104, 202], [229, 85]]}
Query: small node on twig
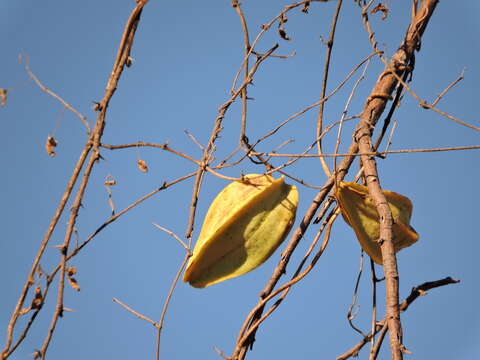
{"points": [[382, 8], [305, 7], [96, 106], [37, 301], [283, 34], [3, 97], [62, 248], [50, 146], [424, 104], [379, 95], [281, 28], [129, 61], [110, 182], [142, 165]]}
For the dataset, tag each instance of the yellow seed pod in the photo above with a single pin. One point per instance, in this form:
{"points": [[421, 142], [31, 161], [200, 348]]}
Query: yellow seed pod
{"points": [[244, 225], [360, 212]]}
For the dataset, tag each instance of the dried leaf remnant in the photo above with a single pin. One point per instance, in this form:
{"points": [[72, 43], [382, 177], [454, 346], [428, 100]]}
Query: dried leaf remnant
{"points": [[50, 146]]}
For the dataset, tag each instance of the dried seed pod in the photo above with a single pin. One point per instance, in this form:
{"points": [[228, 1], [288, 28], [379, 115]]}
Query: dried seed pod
{"points": [[244, 225], [142, 166], [50, 146], [3, 96], [359, 211]]}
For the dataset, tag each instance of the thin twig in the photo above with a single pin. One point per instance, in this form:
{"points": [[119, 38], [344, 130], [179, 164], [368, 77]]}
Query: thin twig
{"points": [[371, 153], [328, 55], [120, 62], [264, 29], [345, 111], [169, 149], [167, 301], [194, 139], [255, 322], [65, 104], [136, 313], [374, 305], [414, 294], [373, 109], [351, 314], [207, 154], [447, 89], [241, 348], [46, 238], [172, 234]]}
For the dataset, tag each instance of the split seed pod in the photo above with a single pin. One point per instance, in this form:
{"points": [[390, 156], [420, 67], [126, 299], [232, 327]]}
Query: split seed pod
{"points": [[244, 225], [360, 212]]}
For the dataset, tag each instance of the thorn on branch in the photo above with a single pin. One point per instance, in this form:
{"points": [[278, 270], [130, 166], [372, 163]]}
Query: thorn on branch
{"points": [[62, 248]]}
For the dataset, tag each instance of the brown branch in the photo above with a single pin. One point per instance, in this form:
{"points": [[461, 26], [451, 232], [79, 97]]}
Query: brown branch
{"points": [[169, 149], [385, 85], [64, 251], [6, 351], [414, 294], [345, 111], [66, 105], [136, 313], [371, 153], [111, 219], [328, 55], [250, 327], [242, 347], [374, 107], [120, 63], [172, 234], [264, 29], [167, 301], [425, 105], [93, 141], [448, 88], [243, 140], [309, 107], [207, 154]]}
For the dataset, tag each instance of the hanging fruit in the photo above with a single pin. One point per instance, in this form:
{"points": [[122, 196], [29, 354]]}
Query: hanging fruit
{"points": [[359, 211], [244, 225]]}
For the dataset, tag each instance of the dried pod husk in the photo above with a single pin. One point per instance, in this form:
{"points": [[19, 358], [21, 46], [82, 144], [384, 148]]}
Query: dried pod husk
{"points": [[244, 225], [50, 146], [3, 96], [359, 211], [142, 165]]}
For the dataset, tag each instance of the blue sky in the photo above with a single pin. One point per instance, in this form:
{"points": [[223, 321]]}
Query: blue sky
{"points": [[186, 55]]}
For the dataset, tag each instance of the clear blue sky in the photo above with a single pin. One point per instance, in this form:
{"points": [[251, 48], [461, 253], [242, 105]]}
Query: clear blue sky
{"points": [[186, 55]]}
